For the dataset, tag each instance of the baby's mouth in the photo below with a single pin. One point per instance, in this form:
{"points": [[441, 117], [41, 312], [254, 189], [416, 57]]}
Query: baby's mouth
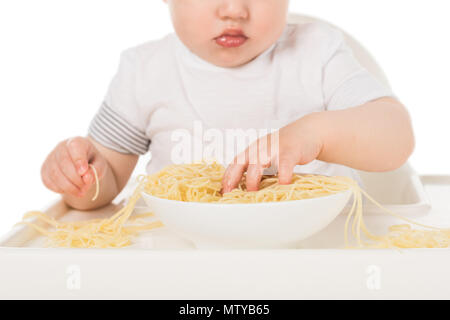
{"points": [[231, 38]]}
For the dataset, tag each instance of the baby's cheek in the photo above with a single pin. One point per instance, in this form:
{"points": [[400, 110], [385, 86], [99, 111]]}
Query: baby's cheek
{"points": [[269, 17], [270, 29], [195, 30], [194, 19], [266, 34]]}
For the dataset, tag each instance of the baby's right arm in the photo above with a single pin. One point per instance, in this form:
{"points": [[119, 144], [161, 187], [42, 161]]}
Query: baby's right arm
{"points": [[66, 171]]}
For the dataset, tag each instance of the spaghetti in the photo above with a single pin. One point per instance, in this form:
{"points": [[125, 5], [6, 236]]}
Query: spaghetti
{"points": [[202, 182], [97, 183], [115, 232]]}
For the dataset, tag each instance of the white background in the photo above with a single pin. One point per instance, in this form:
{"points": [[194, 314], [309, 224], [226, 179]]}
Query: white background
{"points": [[57, 58]]}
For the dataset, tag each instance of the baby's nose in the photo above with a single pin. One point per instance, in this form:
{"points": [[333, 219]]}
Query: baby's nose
{"points": [[233, 9]]}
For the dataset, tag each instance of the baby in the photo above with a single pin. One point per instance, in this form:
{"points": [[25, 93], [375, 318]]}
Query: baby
{"points": [[236, 64]]}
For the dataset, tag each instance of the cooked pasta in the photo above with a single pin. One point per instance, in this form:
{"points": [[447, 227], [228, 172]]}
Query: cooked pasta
{"points": [[115, 232], [97, 183], [202, 182]]}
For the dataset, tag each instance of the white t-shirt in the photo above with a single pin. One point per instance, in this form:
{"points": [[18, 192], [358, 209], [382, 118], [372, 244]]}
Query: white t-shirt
{"points": [[167, 100]]}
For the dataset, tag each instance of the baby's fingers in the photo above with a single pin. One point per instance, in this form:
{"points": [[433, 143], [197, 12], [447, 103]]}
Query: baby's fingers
{"points": [[67, 167], [286, 167], [62, 182], [49, 183], [260, 157], [80, 150], [232, 177], [254, 176]]}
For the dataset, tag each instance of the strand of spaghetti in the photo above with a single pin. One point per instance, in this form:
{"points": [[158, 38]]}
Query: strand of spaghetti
{"points": [[397, 215], [38, 228], [356, 193], [359, 208], [349, 217], [97, 183], [42, 217]]}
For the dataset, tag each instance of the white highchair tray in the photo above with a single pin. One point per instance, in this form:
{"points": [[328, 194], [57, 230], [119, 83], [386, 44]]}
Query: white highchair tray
{"points": [[161, 265]]}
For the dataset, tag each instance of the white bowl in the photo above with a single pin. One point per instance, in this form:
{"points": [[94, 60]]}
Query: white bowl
{"points": [[262, 225]]}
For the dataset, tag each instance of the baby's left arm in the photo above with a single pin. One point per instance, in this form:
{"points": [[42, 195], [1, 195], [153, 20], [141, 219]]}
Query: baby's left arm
{"points": [[376, 136]]}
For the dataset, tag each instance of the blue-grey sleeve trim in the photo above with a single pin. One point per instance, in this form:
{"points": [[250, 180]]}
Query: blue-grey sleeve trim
{"points": [[113, 131]]}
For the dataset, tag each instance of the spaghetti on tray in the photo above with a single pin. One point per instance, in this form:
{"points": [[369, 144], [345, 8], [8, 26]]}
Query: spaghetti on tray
{"points": [[202, 182]]}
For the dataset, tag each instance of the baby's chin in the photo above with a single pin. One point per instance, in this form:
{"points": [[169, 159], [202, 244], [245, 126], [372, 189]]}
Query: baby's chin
{"points": [[230, 60]]}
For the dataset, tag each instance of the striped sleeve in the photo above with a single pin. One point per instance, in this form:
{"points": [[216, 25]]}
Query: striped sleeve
{"points": [[112, 130], [120, 123]]}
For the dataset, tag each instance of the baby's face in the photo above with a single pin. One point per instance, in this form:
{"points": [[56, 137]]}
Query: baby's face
{"points": [[228, 33]]}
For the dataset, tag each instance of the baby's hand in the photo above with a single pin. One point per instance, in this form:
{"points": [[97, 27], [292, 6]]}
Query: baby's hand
{"points": [[66, 169], [296, 144]]}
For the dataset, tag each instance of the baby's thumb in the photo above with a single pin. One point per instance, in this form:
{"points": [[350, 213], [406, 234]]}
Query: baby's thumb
{"points": [[79, 150]]}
